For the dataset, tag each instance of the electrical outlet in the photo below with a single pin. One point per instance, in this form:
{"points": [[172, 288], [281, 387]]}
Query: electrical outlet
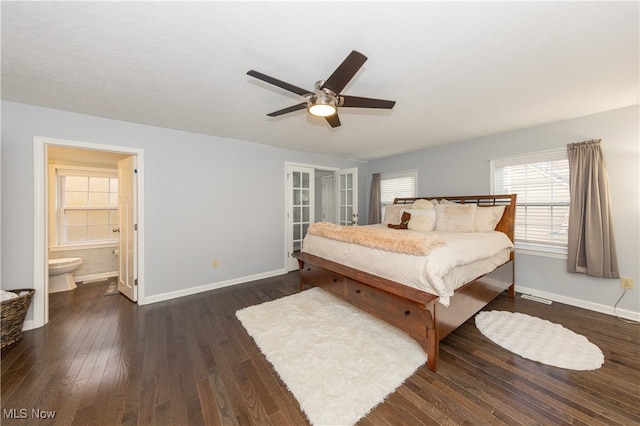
{"points": [[215, 263], [626, 283]]}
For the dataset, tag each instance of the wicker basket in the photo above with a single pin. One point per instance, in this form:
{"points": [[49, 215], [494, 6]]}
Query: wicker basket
{"points": [[12, 313]]}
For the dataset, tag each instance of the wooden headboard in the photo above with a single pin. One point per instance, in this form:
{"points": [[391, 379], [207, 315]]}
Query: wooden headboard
{"points": [[506, 224]]}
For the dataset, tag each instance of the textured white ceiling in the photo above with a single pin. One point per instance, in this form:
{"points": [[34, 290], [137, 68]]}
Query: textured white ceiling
{"points": [[458, 70]]}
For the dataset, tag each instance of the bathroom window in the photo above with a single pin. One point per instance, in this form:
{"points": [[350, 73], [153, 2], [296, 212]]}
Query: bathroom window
{"points": [[88, 207]]}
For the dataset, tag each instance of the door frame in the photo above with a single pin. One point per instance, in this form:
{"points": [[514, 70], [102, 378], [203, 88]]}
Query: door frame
{"points": [[41, 220]]}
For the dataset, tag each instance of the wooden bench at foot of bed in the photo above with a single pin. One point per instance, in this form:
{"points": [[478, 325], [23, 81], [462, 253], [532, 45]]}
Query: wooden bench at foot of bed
{"points": [[416, 312]]}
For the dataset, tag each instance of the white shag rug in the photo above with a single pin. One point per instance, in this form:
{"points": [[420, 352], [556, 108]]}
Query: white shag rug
{"points": [[539, 340], [337, 360]]}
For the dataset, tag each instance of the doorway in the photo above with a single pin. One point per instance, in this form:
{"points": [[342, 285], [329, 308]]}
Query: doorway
{"points": [[328, 195], [100, 153], [316, 193]]}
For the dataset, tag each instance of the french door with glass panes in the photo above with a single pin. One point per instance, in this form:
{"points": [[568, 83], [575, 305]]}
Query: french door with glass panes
{"points": [[300, 212], [348, 196]]}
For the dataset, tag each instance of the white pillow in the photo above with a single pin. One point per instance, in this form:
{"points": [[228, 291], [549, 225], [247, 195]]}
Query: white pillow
{"points": [[424, 204], [455, 217], [416, 212], [422, 220], [487, 218], [393, 212]]}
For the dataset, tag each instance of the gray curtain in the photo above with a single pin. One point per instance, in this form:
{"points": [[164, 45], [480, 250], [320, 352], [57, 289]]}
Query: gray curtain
{"points": [[374, 200], [591, 245]]}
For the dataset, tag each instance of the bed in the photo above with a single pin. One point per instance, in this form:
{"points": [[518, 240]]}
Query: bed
{"points": [[428, 314]]}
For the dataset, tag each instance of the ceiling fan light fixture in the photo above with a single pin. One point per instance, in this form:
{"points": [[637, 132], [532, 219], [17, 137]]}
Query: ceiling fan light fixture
{"points": [[322, 105], [322, 110]]}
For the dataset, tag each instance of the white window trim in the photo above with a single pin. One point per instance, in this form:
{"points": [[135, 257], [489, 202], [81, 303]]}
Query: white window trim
{"points": [[556, 252], [55, 172]]}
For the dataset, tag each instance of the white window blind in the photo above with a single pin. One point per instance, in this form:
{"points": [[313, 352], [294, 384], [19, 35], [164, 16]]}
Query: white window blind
{"points": [[400, 184], [541, 181]]}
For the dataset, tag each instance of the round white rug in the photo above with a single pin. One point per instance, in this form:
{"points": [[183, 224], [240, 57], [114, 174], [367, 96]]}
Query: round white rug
{"points": [[539, 340]]}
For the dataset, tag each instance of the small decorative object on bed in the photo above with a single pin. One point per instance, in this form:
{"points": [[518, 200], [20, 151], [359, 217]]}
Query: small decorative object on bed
{"points": [[426, 280]]}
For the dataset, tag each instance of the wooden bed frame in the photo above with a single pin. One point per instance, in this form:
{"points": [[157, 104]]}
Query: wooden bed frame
{"points": [[416, 312]]}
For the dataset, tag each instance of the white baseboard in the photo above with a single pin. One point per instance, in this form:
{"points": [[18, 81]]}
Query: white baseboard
{"points": [[213, 286], [597, 307]]}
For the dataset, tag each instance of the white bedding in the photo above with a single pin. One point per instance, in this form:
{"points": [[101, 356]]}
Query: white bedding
{"points": [[464, 257]]}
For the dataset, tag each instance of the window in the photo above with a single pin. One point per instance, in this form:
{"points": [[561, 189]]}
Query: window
{"points": [[392, 185], [542, 183], [87, 206]]}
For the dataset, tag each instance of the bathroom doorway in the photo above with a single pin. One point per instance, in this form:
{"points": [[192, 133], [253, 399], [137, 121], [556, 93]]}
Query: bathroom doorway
{"points": [[117, 247]]}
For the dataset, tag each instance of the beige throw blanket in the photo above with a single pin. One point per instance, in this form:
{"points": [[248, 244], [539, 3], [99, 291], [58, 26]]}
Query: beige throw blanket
{"points": [[390, 240]]}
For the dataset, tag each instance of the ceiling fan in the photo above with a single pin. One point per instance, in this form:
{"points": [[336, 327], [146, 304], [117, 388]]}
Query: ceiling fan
{"points": [[325, 100]]}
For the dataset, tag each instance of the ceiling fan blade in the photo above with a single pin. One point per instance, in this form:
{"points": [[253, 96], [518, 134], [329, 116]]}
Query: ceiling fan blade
{"points": [[282, 84], [287, 110], [345, 72], [357, 102], [333, 120]]}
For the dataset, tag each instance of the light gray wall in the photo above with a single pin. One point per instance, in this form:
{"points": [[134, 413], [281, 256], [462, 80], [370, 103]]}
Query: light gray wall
{"points": [[463, 169], [209, 197], [206, 197]]}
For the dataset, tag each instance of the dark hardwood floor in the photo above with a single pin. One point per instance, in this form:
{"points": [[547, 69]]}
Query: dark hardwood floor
{"points": [[106, 361]]}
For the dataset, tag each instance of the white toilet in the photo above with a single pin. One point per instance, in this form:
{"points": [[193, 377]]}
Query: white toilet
{"points": [[61, 273]]}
